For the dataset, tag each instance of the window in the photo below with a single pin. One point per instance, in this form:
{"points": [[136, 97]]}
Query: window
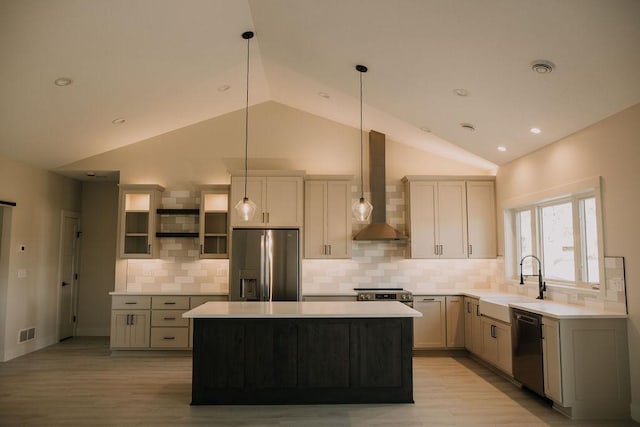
{"points": [[563, 233]]}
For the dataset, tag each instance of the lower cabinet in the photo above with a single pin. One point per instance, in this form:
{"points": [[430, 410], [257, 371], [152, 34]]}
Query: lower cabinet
{"points": [[551, 359], [429, 331], [143, 322], [455, 321], [586, 367], [472, 326], [130, 329], [496, 344]]}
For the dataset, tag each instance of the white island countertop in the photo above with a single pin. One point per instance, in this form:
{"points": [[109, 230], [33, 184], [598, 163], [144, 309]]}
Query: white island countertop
{"points": [[301, 309]]}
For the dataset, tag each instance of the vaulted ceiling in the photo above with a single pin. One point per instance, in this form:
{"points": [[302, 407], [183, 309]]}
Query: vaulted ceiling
{"points": [[164, 64]]}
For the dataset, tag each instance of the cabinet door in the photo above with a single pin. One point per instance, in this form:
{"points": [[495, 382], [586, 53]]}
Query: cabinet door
{"points": [[481, 219], [139, 330], [489, 342], [504, 357], [551, 359], [455, 321], [338, 211], [138, 223], [256, 192], [120, 328], [130, 328], [214, 223], [422, 203], [429, 330], [315, 224], [468, 324], [284, 202], [452, 219]]}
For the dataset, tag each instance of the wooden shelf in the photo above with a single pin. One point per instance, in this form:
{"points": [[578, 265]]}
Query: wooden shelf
{"points": [[176, 234], [162, 211]]}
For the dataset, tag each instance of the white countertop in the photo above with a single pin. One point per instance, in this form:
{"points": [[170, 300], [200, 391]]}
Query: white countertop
{"points": [[297, 309], [160, 293], [565, 311]]}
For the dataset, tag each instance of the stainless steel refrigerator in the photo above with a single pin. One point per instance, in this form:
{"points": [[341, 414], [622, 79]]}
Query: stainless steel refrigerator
{"points": [[265, 265]]}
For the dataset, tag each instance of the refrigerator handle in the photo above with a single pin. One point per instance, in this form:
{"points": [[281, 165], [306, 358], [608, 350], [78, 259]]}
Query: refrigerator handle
{"points": [[268, 265]]}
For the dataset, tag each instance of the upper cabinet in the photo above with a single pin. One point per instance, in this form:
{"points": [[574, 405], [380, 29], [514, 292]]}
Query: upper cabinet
{"points": [[137, 220], [437, 212], [481, 219], [451, 218], [214, 222], [327, 213], [278, 200]]}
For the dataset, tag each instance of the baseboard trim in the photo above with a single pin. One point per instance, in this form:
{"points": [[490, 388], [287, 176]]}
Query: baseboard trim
{"points": [[92, 332]]}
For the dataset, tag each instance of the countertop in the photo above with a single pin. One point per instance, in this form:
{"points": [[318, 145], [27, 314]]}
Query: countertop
{"points": [[296, 309], [160, 293]]}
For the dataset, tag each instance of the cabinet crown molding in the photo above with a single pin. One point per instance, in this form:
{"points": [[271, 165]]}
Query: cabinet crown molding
{"points": [[413, 178], [256, 172]]}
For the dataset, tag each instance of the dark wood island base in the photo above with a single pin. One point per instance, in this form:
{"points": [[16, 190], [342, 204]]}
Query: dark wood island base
{"points": [[302, 360]]}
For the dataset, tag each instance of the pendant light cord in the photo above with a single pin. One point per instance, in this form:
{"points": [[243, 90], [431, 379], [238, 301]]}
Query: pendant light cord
{"points": [[361, 146], [246, 125]]}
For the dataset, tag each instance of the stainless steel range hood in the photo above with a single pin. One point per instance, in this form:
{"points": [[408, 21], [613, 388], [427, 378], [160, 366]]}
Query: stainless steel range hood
{"points": [[378, 229]]}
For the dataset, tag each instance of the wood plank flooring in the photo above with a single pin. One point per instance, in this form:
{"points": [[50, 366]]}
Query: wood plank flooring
{"points": [[78, 382]]}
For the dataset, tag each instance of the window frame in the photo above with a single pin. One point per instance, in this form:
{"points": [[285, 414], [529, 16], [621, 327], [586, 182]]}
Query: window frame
{"points": [[575, 193]]}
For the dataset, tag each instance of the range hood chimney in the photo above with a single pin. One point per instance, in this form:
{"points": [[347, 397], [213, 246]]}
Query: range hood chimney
{"points": [[378, 229]]}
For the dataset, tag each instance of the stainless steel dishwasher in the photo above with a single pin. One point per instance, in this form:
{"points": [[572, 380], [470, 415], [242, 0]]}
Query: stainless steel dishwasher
{"points": [[526, 334]]}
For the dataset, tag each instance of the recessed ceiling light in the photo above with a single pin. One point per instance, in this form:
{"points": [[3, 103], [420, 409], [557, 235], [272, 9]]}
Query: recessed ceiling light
{"points": [[425, 129], [542, 66], [62, 81], [502, 148], [323, 95], [461, 92], [535, 131], [118, 121], [468, 126], [223, 88]]}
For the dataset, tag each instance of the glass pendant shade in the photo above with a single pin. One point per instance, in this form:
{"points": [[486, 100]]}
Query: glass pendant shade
{"points": [[361, 209], [246, 209]]}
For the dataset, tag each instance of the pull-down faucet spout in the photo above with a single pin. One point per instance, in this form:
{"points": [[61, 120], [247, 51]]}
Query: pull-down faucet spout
{"points": [[542, 287]]}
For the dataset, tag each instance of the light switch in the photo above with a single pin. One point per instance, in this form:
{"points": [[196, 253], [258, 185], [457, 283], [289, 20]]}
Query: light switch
{"points": [[22, 273]]}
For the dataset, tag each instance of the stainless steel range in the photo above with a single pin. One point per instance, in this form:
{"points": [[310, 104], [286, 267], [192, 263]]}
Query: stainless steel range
{"points": [[385, 294]]}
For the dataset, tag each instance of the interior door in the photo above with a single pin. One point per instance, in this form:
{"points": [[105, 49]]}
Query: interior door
{"points": [[68, 276]]}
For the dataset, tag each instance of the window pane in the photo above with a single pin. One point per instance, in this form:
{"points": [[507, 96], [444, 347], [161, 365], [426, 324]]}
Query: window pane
{"points": [[525, 240], [590, 231], [557, 242]]}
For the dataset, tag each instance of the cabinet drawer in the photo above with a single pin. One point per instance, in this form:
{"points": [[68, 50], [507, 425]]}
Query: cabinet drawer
{"points": [[123, 302], [199, 300], [169, 337], [170, 318], [170, 302]]}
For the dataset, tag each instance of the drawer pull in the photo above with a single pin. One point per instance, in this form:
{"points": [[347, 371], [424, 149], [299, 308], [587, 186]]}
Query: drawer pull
{"points": [[428, 299], [131, 303], [168, 318], [170, 303], [168, 338]]}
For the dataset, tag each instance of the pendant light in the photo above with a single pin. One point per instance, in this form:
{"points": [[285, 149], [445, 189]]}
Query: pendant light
{"points": [[246, 208], [361, 208]]}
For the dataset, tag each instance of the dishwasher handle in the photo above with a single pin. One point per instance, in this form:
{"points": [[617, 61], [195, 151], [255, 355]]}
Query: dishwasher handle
{"points": [[526, 319]]}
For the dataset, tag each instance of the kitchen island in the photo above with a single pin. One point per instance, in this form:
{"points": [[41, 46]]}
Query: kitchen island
{"points": [[302, 352]]}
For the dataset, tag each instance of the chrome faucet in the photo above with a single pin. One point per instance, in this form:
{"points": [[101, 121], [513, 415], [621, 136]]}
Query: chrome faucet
{"points": [[542, 287]]}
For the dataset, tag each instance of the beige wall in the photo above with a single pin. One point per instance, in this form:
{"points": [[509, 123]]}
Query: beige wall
{"points": [[280, 138], [41, 197], [98, 257], [610, 149]]}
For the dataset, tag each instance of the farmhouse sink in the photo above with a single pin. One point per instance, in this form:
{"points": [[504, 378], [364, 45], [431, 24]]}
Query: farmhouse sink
{"points": [[497, 307]]}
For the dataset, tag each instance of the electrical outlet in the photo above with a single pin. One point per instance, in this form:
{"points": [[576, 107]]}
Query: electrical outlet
{"points": [[22, 273]]}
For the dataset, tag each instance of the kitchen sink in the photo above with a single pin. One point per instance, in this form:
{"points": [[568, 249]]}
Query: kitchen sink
{"points": [[497, 307]]}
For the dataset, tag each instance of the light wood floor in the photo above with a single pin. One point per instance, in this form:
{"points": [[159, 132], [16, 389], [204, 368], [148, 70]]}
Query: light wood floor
{"points": [[78, 382]]}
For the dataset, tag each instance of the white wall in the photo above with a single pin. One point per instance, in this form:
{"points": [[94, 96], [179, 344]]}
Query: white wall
{"points": [[33, 301], [97, 258], [280, 138], [611, 149]]}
